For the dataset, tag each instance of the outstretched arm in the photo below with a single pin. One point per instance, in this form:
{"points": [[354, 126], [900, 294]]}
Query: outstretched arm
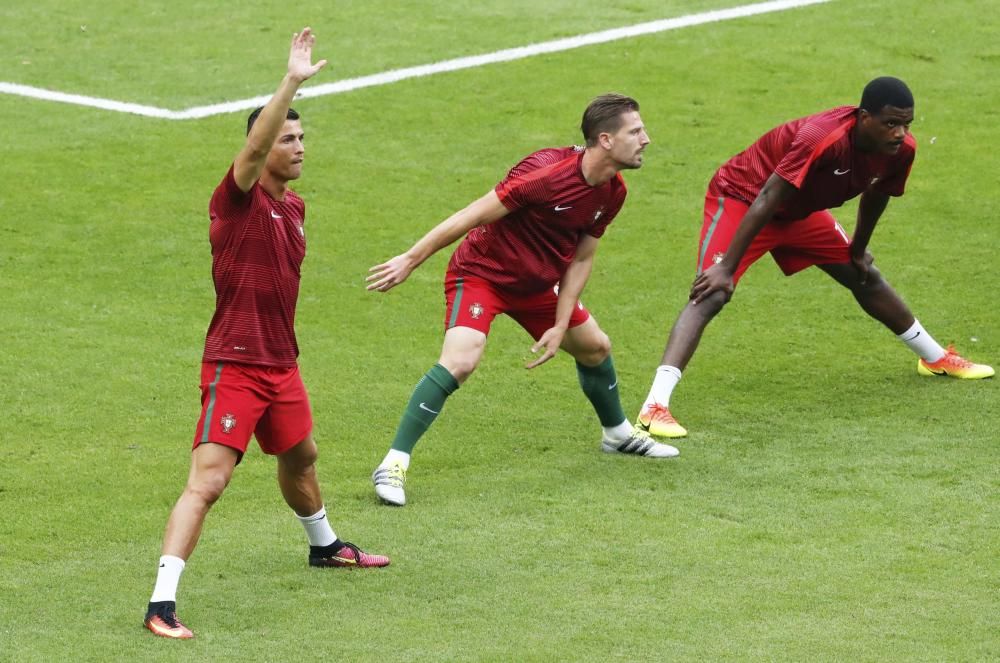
{"points": [[249, 163], [479, 213], [870, 209], [570, 288], [720, 277]]}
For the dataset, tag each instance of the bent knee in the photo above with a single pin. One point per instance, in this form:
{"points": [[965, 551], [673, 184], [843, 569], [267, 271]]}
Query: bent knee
{"points": [[710, 307], [208, 487], [460, 367], [596, 352], [301, 457], [874, 283]]}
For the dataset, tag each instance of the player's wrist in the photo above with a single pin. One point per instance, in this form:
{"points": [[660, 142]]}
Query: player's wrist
{"points": [[294, 79]]}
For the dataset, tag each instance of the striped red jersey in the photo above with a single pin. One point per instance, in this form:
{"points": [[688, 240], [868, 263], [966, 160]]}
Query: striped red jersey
{"points": [[551, 208], [816, 155], [258, 244]]}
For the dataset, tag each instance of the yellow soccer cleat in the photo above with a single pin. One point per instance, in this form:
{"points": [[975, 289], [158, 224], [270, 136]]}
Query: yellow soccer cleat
{"points": [[955, 365], [656, 420]]}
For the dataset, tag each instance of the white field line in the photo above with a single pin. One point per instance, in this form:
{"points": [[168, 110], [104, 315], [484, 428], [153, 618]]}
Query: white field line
{"points": [[394, 75]]}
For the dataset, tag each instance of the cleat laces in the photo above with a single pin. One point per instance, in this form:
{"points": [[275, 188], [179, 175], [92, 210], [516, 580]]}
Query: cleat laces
{"points": [[659, 412]]}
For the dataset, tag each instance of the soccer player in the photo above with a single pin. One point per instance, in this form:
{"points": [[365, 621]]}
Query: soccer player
{"points": [[250, 382], [528, 253], [774, 196]]}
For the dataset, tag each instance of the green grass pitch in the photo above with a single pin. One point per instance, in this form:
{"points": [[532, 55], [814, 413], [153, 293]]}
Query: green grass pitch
{"points": [[829, 504]]}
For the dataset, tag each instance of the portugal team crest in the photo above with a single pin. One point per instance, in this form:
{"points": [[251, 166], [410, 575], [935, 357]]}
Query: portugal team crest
{"points": [[476, 310], [228, 422]]}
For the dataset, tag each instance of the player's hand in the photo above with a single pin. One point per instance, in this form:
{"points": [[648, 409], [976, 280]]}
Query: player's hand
{"points": [[300, 66], [712, 279], [389, 274], [550, 342], [863, 264]]}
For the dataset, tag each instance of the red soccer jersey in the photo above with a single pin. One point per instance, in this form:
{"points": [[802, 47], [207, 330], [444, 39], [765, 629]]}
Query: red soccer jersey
{"points": [[817, 156], [551, 207], [258, 245]]}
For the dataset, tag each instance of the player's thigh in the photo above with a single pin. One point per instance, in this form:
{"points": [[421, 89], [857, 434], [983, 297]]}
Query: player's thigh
{"points": [[211, 468], [471, 303], [461, 351], [537, 313], [232, 402], [721, 218], [288, 418], [815, 240]]}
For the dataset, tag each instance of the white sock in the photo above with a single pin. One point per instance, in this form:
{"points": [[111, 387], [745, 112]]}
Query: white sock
{"points": [[619, 433], [318, 528], [666, 379], [167, 578], [396, 456], [918, 340]]}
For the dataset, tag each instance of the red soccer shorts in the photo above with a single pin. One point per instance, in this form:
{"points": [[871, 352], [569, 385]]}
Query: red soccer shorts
{"points": [[240, 400], [815, 240], [472, 302]]}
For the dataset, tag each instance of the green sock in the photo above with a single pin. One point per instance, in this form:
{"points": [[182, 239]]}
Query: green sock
{"points": [[600, 384], [425, 404]]}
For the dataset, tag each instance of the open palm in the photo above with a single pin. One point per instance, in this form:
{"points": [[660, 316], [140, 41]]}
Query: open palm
{"points": [[300, 65]]}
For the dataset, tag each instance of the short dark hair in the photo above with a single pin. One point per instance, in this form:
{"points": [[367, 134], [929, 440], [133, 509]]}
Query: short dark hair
{"points": [[291, 115], [886, 91], [605, 114]]}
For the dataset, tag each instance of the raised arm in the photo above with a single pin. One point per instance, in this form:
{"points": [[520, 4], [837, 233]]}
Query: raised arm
{"points": [[249, 163], [720, 276], [479, 213]]}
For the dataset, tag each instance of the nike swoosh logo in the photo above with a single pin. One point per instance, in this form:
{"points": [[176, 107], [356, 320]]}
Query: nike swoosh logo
{"points": [[275, 216], [424, 407], [559, 208], [613, 386], [837, 171], [345, 560]]}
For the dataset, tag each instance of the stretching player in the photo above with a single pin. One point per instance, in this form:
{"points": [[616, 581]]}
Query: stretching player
{"points": [[773, 197], [528, 253], [250, 382]]}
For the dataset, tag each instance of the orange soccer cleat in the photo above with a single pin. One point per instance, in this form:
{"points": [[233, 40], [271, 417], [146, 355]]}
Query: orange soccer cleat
{"points": [[955, 365], [161, 619], [656, 420]]}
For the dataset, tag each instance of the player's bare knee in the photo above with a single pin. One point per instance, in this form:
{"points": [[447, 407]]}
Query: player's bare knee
{"points": [[873, 285], [207, 487], [596, 353], [709, 307], [461, 367], [301, 458]]}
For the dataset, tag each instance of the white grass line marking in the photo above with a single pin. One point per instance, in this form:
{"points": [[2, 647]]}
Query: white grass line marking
{"points": [[395, 75]]}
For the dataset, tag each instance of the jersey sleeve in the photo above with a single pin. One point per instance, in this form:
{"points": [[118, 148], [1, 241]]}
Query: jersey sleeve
{"points": [[800, 155], [517, 191], [895, 183], [228, 199]]}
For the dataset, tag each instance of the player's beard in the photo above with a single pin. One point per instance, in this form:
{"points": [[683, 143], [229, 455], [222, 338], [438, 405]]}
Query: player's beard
{"points": [[633, 164]]}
